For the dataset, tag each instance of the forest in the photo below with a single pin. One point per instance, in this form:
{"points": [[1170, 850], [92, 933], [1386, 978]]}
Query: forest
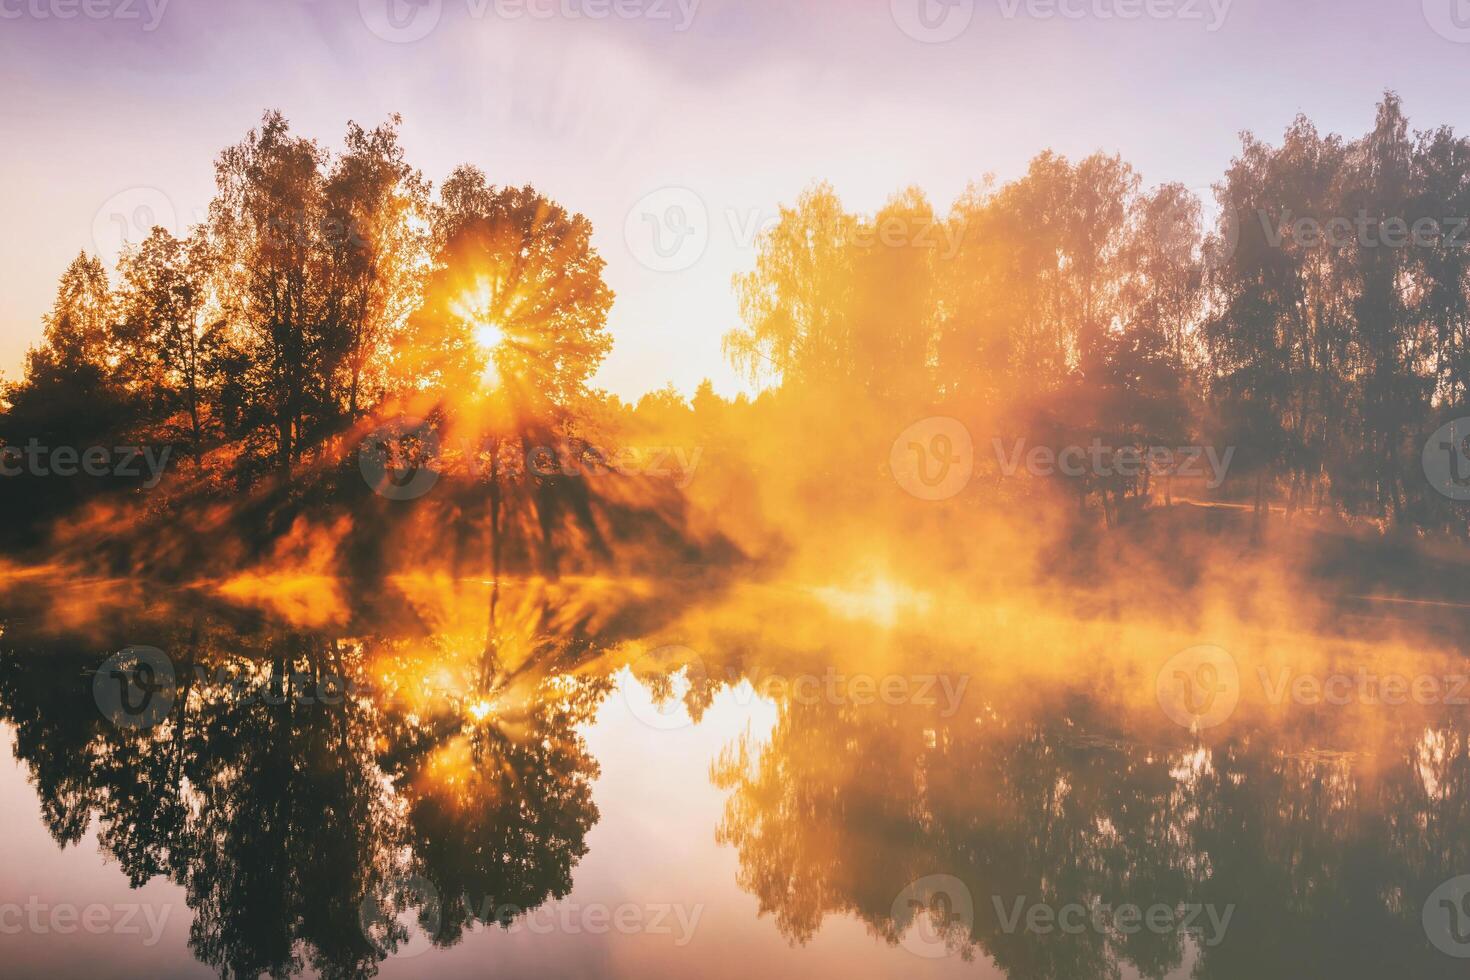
{"points": [[1307, 322], [337, 458]]}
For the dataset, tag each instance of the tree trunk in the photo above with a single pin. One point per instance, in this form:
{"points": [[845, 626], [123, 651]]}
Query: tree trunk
{"points": [[491, 668]]}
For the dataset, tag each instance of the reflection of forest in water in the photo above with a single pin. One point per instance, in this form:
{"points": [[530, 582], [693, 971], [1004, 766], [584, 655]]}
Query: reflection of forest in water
{"points": [[282, 811]]}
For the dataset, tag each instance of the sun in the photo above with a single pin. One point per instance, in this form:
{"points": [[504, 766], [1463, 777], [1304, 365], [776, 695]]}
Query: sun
{"points": [[488, 335]]}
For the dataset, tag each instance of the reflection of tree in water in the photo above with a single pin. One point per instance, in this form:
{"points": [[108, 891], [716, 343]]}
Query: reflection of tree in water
{"points": [[1327, 859], [497, 814], [280, 805], [290, 822], [823, 826], [1333, 854]]}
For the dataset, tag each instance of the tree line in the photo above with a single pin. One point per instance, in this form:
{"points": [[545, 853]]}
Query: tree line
{"points": [[1317, 323], [321, 284]]}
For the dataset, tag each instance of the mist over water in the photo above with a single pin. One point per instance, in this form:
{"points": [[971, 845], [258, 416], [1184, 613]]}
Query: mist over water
{"points": [[882, 771], [1077, 589]]}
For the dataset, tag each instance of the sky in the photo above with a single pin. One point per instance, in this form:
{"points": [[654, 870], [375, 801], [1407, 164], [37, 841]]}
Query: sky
{"points": [[678, 127]]}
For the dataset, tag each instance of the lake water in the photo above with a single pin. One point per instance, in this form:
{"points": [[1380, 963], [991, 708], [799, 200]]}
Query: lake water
{"points": [[774, 781]]}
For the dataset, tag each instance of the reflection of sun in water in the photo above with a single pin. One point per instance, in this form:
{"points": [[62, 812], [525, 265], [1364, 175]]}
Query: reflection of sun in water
{"points": [[880, 600]]}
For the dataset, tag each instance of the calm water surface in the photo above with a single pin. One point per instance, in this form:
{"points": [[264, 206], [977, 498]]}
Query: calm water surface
{"points": [[586, 797]]}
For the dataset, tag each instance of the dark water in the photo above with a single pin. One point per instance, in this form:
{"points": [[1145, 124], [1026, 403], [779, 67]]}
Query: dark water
{"points": [[269, 799]]}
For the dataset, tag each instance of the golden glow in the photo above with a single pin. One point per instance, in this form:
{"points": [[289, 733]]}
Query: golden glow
{"points": [[482, 309], [479, 709], [879, 601], [489, 336]]}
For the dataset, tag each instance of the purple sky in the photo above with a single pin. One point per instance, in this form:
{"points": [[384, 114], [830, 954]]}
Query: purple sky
{"points": [[719, 122]]}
